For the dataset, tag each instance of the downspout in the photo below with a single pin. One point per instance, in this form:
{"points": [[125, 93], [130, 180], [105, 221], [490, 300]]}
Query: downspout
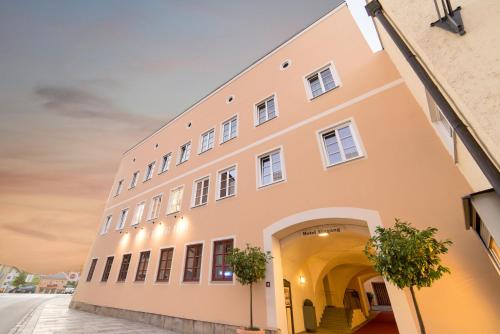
{"points": [[490, 171]]}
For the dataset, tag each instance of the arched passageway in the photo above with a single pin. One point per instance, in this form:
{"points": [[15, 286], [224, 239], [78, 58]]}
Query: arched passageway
{"points": [[318, 256]]}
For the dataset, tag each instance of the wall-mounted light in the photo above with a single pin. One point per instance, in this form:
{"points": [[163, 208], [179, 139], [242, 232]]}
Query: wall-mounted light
{"points": [[302, 280], [323, 234]]}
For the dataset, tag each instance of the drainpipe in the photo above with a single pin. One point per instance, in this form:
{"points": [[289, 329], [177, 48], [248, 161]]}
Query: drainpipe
{"points": [[490, 171]]}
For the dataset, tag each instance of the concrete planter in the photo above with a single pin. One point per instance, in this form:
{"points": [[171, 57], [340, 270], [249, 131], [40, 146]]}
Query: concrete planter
{"points": [[246, 331]]}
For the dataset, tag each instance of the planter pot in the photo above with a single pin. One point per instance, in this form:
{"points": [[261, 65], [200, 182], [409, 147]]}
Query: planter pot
{"points": [[246, 331]]}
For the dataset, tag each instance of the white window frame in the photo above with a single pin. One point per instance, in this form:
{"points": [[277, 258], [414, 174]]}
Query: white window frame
{"points": [[259, 168], [119, 187], [210, 146], [236, 131], [274, 97], [169, 203], [148, 175], [218, 186], [439, 122], [133, 182], [335, 75], [188, 155], [136, 218], [151, 215], [106, 224], [355, 136], [165, 164], [122, 220], [193, 194]]}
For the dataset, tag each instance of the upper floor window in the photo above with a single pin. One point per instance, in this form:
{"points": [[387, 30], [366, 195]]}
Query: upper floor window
{"points": [[135, 177], [266, 110], [442, 126], [207, 140], [270, 168], [165, 164], [106, 225], [142, 268], [200, 191], [91, 270], [107, 269], [139, 210], [122, 220], [119, 187], [340, 145], [192, 267], [165, 265], [175, 200], [149, 171], [221, 270], [321, 81], [227, 182], [230, 129], [122, 274], [154, 208], [185, 152]]}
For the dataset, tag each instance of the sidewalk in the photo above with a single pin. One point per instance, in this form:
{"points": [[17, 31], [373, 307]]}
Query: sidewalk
{"points": [[54, 316]]}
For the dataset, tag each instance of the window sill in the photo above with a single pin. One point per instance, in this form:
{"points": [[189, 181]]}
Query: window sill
{"points": [[270, 184], [345, 161], [199, 205], [173, 213], [222, 282], [131, 188], [190, 282], [182, 162], [311, 98], [229, 196], [270, 119], [223, 142], [147, 180], [163, 171], [207, 150]]}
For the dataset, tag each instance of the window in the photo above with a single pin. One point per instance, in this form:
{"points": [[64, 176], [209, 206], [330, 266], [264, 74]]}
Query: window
{"points": [[321, 82], [229, 129], [200, 191], [142, 268], [265, 110], [119, 188], [165, 164], [185, 152], [106, 225], [154, 208], [135, 177], [270, 168], [122, 275], [442, 126], [227, 182], [165, 265], [193, 263], [91, 270], [175, 199], [340, 145], [221, 271], [139, 210], [107, 268], [207, 141], [149, 171], [123, 219]]}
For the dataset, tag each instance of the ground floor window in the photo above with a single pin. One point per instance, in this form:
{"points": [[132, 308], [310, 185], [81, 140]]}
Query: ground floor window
{"points": [[107, 269], [91, 270], [142, 268], [221, 271], [165, 265], [192, 266], [122, 275]]}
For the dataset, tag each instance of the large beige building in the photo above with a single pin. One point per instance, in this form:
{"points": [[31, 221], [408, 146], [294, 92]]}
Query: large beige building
{"points": [[304, 154]]}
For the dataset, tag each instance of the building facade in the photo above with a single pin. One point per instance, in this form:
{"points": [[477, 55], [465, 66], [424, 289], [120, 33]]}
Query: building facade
{"points": [[7, 276], [55, 283], [303, 153]]}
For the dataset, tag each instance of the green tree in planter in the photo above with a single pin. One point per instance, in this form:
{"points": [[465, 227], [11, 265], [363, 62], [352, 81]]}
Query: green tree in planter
{"points": [[408, 257], [249, 266], [19, 280]]}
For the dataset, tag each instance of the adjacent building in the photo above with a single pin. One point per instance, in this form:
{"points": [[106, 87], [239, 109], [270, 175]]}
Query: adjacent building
{"points": [[7, 276], [304, 153], [55, 283]]}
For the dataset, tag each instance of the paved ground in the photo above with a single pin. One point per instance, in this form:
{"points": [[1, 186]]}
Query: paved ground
{"points": [[383, 323], [54, 317], [13, 307]]}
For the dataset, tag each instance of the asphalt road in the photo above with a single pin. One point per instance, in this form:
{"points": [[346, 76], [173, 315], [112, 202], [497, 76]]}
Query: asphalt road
{"points": [[13, 307]]}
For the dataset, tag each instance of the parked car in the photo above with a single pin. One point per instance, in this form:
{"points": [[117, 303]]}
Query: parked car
{"points": [[69, 290], [24, 289]]}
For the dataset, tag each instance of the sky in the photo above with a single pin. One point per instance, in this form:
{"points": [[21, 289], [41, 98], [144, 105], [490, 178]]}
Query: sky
{"points": [[81, 81]]}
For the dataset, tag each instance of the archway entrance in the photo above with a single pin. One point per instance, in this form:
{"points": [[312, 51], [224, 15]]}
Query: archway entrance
{"points": [[320, 254]]}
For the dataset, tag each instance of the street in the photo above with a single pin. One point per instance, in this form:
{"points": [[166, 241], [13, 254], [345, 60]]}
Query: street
{"points": [[13, 307]]}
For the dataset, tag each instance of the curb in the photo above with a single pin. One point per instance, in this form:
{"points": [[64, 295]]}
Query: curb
{"points": [[28, 323]]}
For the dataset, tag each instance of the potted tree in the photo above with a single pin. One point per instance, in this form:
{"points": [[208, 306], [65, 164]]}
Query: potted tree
{"points": [[249, 266], [408, 257]]}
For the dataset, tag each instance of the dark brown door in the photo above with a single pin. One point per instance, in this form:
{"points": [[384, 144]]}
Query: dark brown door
{"points": [[381, 293]]}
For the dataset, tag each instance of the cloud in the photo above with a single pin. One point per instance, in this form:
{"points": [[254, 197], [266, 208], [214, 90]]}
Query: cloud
{"points": [[79, 104]]}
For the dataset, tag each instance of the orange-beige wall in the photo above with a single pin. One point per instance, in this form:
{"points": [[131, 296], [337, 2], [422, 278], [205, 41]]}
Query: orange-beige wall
{"points": [[405, 172]]}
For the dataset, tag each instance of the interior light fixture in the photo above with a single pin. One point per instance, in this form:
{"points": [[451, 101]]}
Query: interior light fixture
{"points": [[302, 280], [323, 234]]}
